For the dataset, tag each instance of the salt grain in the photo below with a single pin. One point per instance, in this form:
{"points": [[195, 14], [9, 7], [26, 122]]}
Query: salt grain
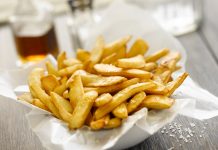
{"points": [[192, 124]]}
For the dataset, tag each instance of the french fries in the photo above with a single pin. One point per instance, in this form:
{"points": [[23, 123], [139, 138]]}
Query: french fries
{"points": [[111, 70], [120, 111], [121, 97], [135, 101], [76, 90], [82, 110], [103, 99], [157, 102], [131, 63], [49, 83], [102, 87], [98, 81], [35, 84], [139, 47]]}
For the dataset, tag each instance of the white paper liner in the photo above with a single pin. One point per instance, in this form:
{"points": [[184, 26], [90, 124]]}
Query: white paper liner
{"points": [[191, 100]]}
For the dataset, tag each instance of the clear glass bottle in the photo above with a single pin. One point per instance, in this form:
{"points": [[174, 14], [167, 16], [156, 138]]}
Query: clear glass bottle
{"points": [[33, 31]]}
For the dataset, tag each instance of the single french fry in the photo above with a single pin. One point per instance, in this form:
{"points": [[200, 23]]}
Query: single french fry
{"points": [[82, 109], [139, 47], [60, 59], [160, 89], [27, 97], [109, 59], [111, 70], [135, 102], [70, 70], [112, 58], [113, 123], [63, 105], [95, 80], [120, 111], [157, 102], [66, 94], [51, 69], [171, 56], [39, 104], [156, 56], [116, 87], [76, 91], [149, 66], [113, 47], [49, 83], [82, 55], [131, 63], [97, 51], [137, 73], [62, 101], [165, 76], [61, 88], [121, 97], [71, 61], [103, 99], [98, 124], [172, 86], [35, 84]]}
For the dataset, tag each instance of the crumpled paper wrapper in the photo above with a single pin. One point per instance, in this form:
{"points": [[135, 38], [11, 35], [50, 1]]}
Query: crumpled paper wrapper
{"points": [[118, 20]]}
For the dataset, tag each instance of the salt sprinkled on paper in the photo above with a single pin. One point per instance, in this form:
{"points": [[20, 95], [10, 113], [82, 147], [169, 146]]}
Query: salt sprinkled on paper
{"points": [[181, 134]]}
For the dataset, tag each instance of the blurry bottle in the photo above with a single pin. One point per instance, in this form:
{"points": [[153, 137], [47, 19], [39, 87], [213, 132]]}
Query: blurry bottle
{"points": [[33, 31]]}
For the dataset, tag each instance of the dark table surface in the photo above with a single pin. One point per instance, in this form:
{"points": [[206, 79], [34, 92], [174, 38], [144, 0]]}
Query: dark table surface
{"points": [[202, 64]]}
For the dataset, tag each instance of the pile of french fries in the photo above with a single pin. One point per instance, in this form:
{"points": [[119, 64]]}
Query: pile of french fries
{"points": [[101, 87]]}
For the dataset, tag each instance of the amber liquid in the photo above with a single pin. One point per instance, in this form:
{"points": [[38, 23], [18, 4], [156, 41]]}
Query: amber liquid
{"points": [[35, 47]]}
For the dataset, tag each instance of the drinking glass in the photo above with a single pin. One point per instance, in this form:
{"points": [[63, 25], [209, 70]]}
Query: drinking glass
{"points": [[176, 16]]}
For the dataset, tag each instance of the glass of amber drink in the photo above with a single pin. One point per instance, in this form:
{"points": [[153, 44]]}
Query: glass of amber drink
{"points": [[34, 32]]}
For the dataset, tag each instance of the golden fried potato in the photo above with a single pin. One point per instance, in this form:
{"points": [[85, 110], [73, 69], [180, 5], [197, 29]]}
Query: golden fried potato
{"points": [[95, 80], [66, 94], [149, 66], [111, 59], [51, 69], [64, 107], [76, 91], [113, 123], [121, 97], [82, 110], [60, 59], [82, 55], [103, 99], [172, 86], [71, 61], [160, 89], [49, 83], [68, 71], [157, 102], [27, 97], [120, 111], [61, 88], [113, 47], [111, 70], [135, 102], [39, 104], [156, 56], [131, 63], [116, 87], [34, 81], [97, 51], [139, 47]]}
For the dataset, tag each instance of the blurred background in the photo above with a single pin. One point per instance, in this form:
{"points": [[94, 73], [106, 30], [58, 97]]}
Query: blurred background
{"points": [[31, 29]]}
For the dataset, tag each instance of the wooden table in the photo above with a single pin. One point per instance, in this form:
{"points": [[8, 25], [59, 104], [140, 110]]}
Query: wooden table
{"points": [[202, 64]]}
